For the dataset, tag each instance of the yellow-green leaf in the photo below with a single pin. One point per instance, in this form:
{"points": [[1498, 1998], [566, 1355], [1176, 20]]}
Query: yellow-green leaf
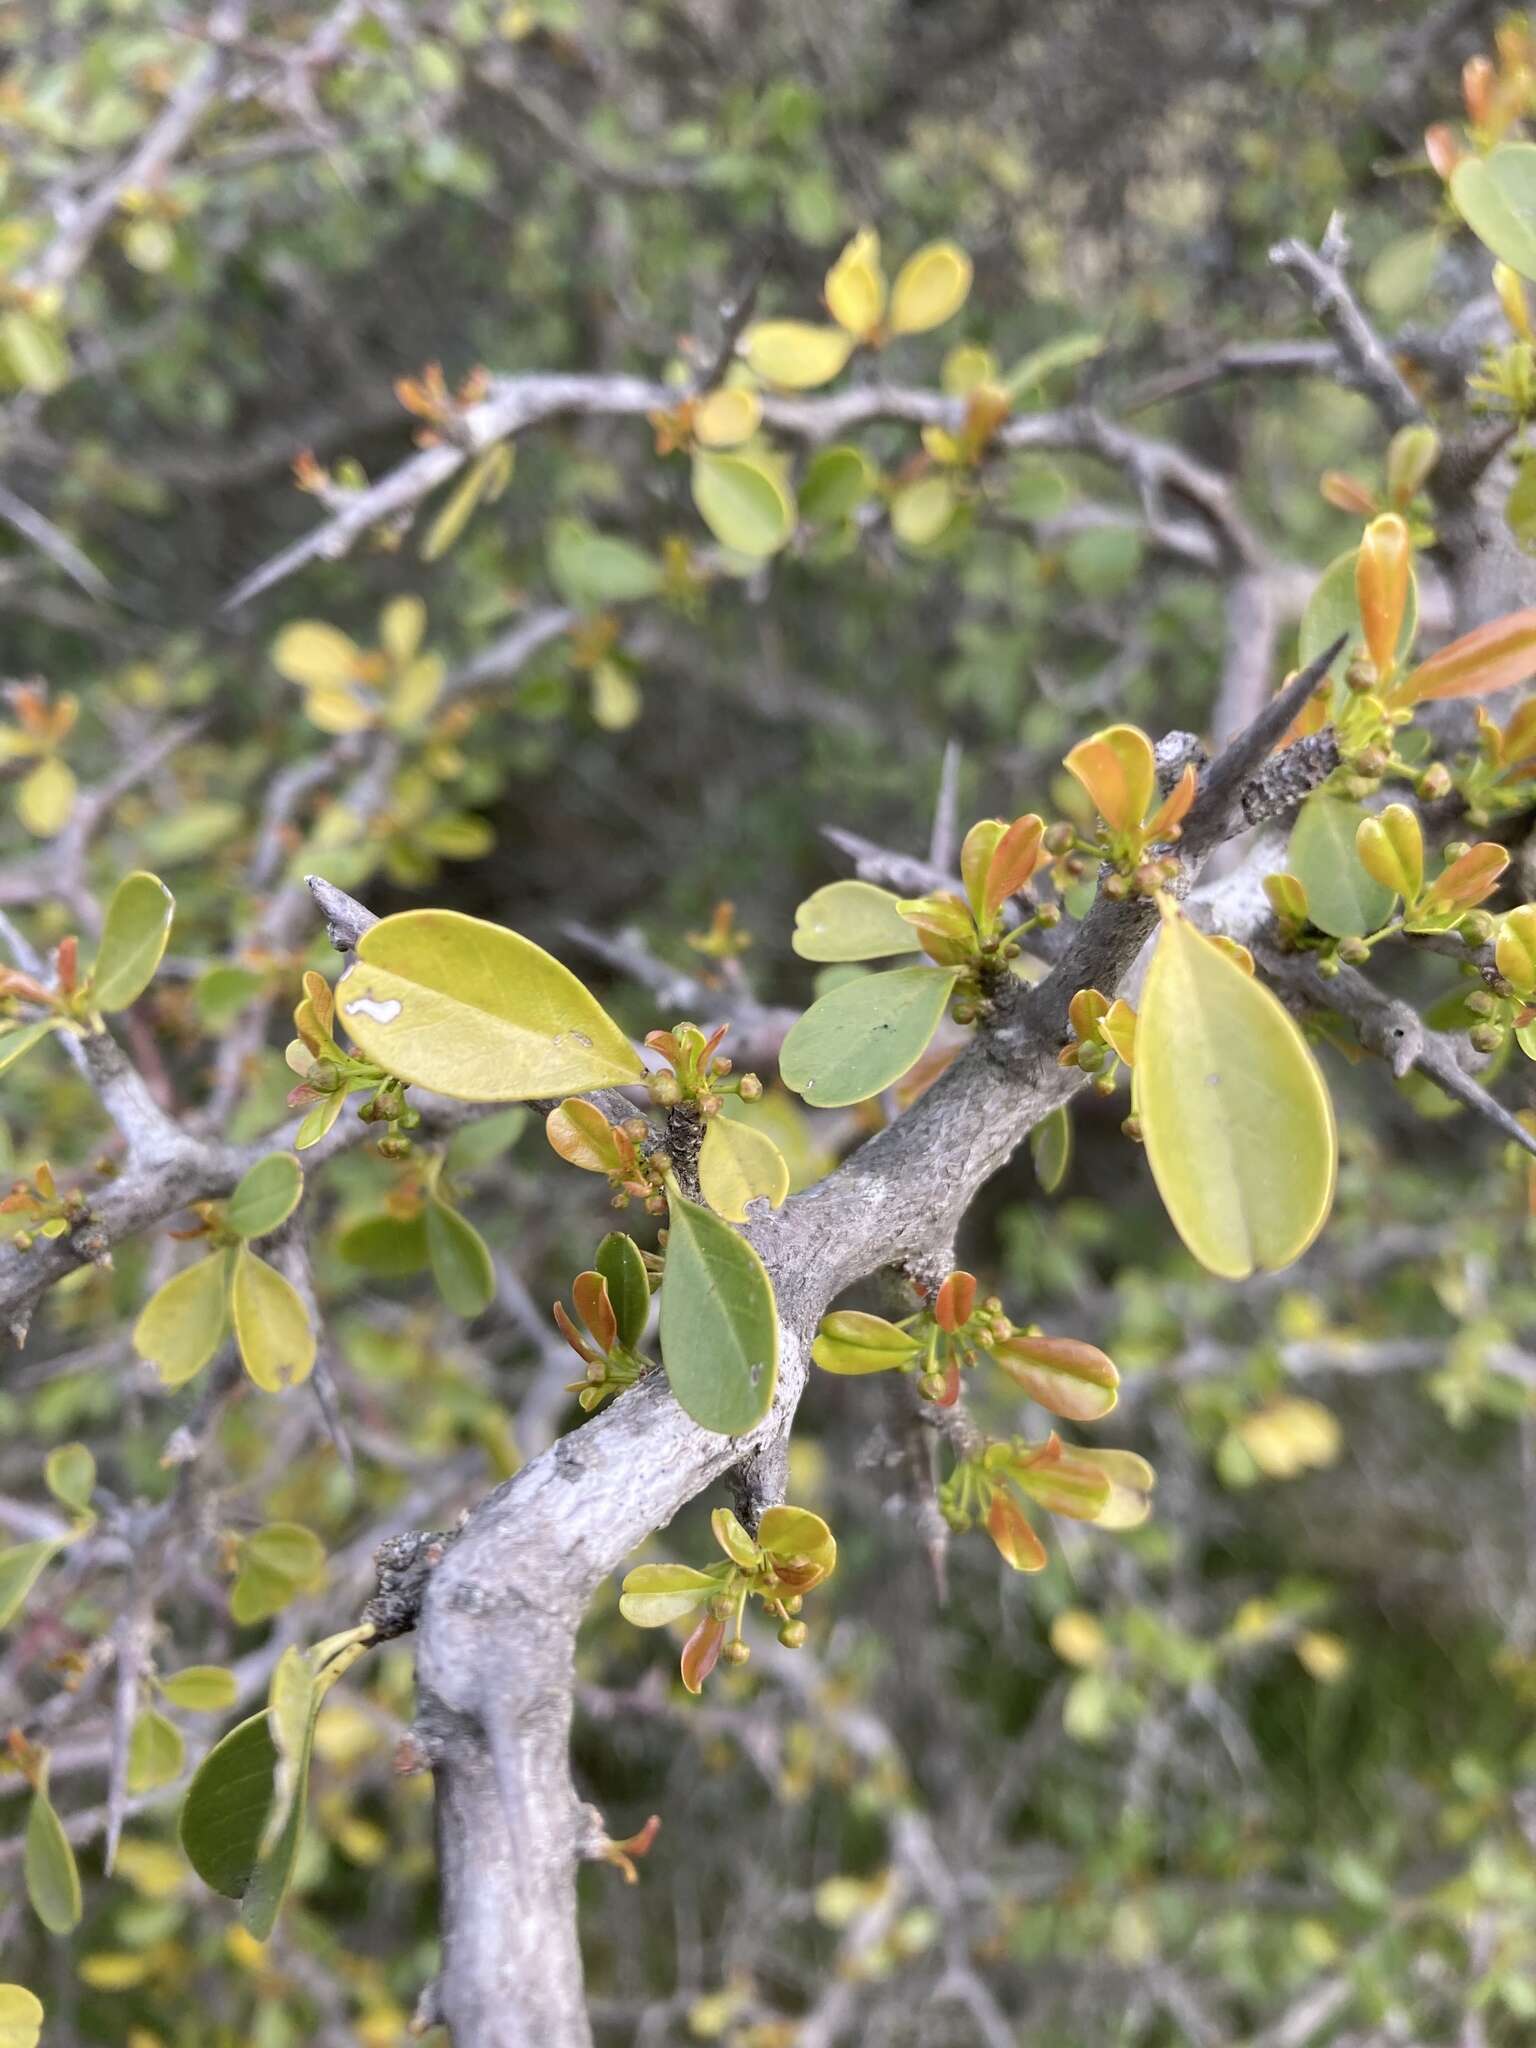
{"points": [[1390, 847], [654, 1594], [46, 798], [863, 1036], [277, 1345], [744, 502], [1496, 197], [318, 656], [20, 1568], [921, 514], [1235, 1115], [183, 1324], [21, 2017], [719, 1324], [1344, 896], [201, 1688], [276, 1563], [1050, 1149], [796, 355], [37, 353], [477, 1012], [855, 285], [53, 1882], [487, 478], [930, 288], [727, 417], [133, 940], [739, 1164], [853, 1342], [156, 1752], [70, 1475], [851, 921]]}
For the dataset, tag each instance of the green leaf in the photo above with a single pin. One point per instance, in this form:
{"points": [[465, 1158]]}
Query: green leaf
{"points": [[391, 1245], [1234, 1112], [629, 1287], [850, 1341], [47, 797], [744, 502], [319, 1120], [295, 1705], [226, 1808], [480, 1143], [852, 921], [267, 1196], [223, 992], [156, 1752], [654, 1594], [1050, 1149], [487, 477], [14, 1044], [864, 1035], [21, 2017], [1496, 197], [1064, 1375], [276, 1563], [836, 482], [477, 1012], [70, 1475], [53, 1882], [20, 1568], [1065, 353], [36, 351], [739, 1165], [719, 1325], [201, 1688], [461, 1264], [277, 1345], [183, 1324], [133, 941], [593, 570], [1342, 899], [922, 512], [1333, 608]]}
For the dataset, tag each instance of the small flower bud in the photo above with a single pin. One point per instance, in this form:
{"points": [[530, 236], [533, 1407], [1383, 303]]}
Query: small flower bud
{"points": [[1373, 761], [793, 1634], [964, 1013], [1486, 1037], [1090, 1056], [1148, 878], [1476, 928], [324, 1077], [1104, 1084], [736, 1651], [636, 1129], [722, 1066], [410, 1119], [1481, 1003], [1116, 888], [1058, 838], [722, 1607], [664, 1089], [711, 1105], [1131, 1128], [1327, 966], [1047, 917], [1456, 850], [1360, 676], [932, 1386], [1435, 782], [749, 1088], [793, 1604], [1354, 951]]}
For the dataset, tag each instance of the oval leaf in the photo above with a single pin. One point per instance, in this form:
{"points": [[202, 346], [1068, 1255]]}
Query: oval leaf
{"points": [[225, 1812], [719, 1324], [1496, 197], [477, 1012], [849, 1341], [133, 940], [277, 1345], [930, 288], [1333, 608], [1342, 898], [1234, 1111], [654, 1594], [738, 1165], [851, 921], [461, 1264], [53, 1882], [20, 1568], [201, 1688], [21, 2017], [1070, 1378], [156, 1752], [183, 1324], [629, 1286], [266, 1196], [744, 502], [796, 355], [865, 1035]]}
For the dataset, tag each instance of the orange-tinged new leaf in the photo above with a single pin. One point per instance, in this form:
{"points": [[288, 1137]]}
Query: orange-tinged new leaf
{"points": [[701, 1652], [1174, 808], [1467, 881], [1119, 772], [1489, 658], [583, 1137], [1066, 1376], [1383, 568], [1014, 860], [980, 844], [1013, 1533], [589, 1291], [955, 1300], [1234, 1113]]}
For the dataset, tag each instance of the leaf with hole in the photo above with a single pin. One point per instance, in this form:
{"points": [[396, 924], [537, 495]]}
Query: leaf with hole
{"points": [[477, 1012]]}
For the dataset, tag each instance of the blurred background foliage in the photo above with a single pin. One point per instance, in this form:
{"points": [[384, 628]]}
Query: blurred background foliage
{"points": [[1259, 1772]]}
